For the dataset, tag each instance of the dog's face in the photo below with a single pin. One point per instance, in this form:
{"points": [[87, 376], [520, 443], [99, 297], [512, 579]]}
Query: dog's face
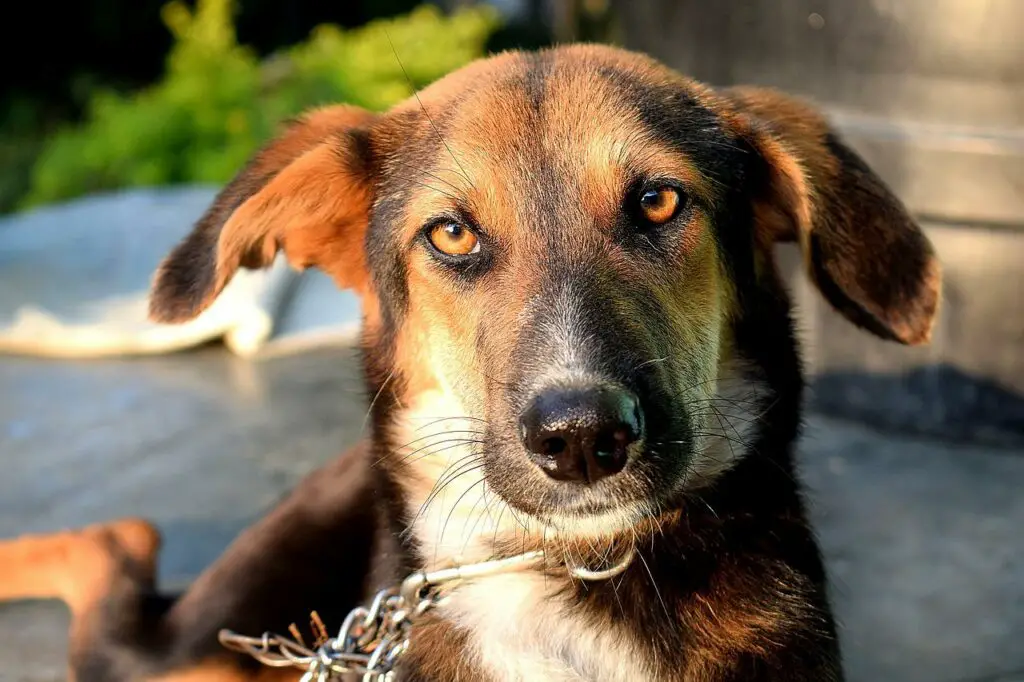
{"points": [[566, 269]]}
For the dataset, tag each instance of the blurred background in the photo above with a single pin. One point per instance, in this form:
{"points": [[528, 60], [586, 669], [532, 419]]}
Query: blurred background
{"points": [[119, 120]]}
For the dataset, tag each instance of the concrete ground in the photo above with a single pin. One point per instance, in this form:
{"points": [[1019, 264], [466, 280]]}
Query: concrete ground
{"points": [[923, 538]]}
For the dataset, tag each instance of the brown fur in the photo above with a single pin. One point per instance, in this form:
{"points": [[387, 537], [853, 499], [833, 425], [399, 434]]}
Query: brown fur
{"points": [[541, 155], [80, 568], [435, 635], [844, 219], [77, 566], [324, 210], [327, 215]]}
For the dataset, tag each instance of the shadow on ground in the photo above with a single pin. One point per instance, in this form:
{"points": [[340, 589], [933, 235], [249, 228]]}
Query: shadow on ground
{"points": [[941, 401]]}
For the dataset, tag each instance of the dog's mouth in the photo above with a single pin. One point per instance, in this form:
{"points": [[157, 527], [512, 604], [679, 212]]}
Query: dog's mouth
{"points": [[639, 483]]}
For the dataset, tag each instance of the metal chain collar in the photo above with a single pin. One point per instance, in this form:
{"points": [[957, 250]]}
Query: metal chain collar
{"points": [[372, 639]]}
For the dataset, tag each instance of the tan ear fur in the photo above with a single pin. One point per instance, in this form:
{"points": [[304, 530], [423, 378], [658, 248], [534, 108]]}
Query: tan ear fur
{"points": [[315, 210], [863, 250], [308, 192]]}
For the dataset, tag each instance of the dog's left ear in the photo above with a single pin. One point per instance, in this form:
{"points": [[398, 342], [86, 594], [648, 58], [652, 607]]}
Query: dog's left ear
{"points": [[306, 193], [861, 247]]}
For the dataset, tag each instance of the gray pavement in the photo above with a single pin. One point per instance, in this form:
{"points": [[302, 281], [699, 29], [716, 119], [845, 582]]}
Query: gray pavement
{"points": [[923, 538]]}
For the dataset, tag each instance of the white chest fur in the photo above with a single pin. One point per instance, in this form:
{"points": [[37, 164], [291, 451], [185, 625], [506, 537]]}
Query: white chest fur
{"points": [[521, 630]]}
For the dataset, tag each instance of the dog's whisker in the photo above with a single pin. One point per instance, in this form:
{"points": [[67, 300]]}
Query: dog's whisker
{"points": [[754, 401], [727, 421], [426, 185], [650, 574], [468, 533], [715, 410], [455, 506], [471, 456], [452, 473], [728, 440], [435, 434], [704, 502], [652, 361], [376, 397], [438, 434], [443, 446], [423, 108], [433, 419], [713, 434], [750, 448], [519, 523], [459, 190], [497, 525]]}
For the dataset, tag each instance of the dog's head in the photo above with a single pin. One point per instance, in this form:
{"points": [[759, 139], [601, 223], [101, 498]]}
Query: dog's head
{"points": [[571, 308]]}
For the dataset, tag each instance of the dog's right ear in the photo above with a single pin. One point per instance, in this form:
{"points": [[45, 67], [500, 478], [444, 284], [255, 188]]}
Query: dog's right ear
{"points": [[307, 193], [862, 249]]}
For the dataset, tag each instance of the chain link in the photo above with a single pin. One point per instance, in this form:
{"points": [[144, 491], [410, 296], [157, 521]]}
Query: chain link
{"points": [[369, 642], [373, 638]]}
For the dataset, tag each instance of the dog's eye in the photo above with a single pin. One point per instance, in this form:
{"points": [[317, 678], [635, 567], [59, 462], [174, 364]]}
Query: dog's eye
{"points": [[453, 239], [659, 205]]}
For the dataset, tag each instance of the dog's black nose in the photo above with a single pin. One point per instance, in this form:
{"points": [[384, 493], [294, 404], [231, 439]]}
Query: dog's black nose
{"points": [[581, 434]]}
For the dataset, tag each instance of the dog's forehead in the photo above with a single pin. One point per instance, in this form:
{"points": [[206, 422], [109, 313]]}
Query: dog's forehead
{"points": [[551, 75], [585, 119]]}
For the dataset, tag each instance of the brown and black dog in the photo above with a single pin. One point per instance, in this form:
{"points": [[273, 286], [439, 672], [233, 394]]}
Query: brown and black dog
{"points": [[576, 339]]}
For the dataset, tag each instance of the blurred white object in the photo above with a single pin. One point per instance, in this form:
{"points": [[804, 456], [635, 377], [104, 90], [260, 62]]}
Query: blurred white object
{"points": [[74, 282]]}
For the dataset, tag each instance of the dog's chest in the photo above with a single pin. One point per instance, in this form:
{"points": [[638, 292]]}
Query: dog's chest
{"points": [[520, 629]]}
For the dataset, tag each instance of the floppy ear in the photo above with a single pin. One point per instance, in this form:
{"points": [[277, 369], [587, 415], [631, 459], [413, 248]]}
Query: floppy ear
{"points": [[307, 193], [861, 247]]}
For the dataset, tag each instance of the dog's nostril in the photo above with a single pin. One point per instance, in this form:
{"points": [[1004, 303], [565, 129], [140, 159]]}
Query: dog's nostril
{"points": [[554, 446], [606, 444], [582, 434], [613, 442]]}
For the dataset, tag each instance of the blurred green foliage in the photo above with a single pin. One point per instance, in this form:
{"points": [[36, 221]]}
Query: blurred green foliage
{"points": [[218, 101]]}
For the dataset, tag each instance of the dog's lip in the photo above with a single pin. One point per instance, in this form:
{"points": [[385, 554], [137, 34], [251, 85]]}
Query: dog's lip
{"points": [[581, 501], [588, 508], [608, 517]]}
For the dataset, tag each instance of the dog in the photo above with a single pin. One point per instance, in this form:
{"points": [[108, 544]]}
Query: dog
{"points": [[577, 346]]}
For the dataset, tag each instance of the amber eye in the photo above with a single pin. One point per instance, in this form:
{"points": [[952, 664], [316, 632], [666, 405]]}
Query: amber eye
{"points": [[660, 204], [453, 239]]}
